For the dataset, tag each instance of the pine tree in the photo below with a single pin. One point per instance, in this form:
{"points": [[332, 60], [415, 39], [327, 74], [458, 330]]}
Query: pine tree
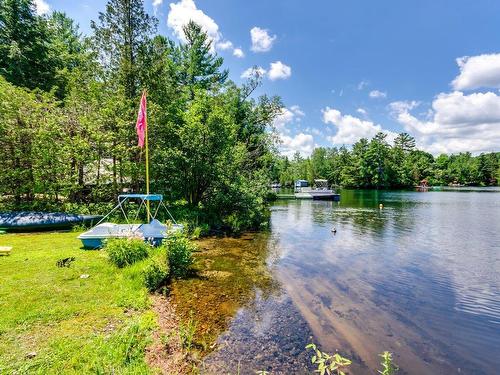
{"points": [[200, 67], [25, 58], [405, 142], [120, 35]]}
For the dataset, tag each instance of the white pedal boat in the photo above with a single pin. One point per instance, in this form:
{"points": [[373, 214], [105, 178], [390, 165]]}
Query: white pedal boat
{"points": [[153, 232]]}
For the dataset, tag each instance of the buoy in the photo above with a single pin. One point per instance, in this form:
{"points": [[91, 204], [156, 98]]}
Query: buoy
{"points": [[380, 206]]}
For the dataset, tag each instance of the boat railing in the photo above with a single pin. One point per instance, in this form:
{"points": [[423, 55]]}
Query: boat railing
{"points": [[144, 198]]}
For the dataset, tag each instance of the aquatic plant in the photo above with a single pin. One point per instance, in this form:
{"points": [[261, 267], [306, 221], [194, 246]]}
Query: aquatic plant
{"points": [[388, 367], [179, 252], [326, 363], [126, 251], [187, 331]]}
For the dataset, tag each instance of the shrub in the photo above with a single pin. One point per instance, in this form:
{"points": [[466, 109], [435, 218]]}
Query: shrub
{"points": [[200, 231], [179, 251], [126, 251], [156, 274]]}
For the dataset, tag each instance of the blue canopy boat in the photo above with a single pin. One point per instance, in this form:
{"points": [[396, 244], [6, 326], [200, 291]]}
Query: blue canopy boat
{"points": [[154, 232], [25, 221]]}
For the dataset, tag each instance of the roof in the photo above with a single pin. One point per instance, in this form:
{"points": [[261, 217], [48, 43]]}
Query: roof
{"points": [[146, 197]]}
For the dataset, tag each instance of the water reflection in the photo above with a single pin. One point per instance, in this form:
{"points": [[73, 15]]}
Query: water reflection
{"points": [[419, 278]]}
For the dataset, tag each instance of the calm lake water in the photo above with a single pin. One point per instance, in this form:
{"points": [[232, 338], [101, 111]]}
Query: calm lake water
{"points": [[419, 278]]}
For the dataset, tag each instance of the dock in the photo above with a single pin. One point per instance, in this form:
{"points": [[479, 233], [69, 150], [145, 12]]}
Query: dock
{"points": [[324, 196]]}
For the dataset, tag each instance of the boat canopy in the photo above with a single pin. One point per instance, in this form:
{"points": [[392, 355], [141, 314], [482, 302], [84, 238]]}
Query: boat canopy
{"points": [[123, 198], [144, 197]]}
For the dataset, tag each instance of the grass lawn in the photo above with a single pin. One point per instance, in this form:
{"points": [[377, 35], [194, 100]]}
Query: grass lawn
{"points": [[53, 321]]}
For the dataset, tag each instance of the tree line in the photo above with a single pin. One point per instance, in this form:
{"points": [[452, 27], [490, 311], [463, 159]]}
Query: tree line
{"points": [[377, 164], [68, 105]]}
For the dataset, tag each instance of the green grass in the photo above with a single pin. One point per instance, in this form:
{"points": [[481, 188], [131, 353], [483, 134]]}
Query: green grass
{"points": [[96, 325]]}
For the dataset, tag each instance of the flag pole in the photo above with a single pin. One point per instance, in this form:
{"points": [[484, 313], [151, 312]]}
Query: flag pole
{"points": [[147, 158]]}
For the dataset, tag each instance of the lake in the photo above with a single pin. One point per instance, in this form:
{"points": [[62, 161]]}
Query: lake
{"points": [[419, 278]]}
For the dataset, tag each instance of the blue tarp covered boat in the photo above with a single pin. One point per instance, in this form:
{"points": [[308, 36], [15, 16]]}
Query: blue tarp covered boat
{"points": [[154, 231], [32, 221]]}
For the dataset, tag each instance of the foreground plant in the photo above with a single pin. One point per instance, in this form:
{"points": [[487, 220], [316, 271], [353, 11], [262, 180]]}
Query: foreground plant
{"points": [[388, 367], [155, 274], [179, 250], [326, 363], [187, 331], [126, 251]]}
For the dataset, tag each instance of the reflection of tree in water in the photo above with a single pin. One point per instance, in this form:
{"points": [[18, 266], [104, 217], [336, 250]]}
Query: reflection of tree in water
{"points": [[230, 273], [320, 210], [384, 278], [361, 209]]}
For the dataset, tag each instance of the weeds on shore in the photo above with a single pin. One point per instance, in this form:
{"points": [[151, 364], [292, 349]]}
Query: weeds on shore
{"points": [[126, 251], [187, 331], [180, 258], [171, 260]]}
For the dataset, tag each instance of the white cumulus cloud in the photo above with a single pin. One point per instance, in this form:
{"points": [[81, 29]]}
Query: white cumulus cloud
{"points": [[184, 11], [278, 70], [253, 71], [458, 122], [376, 94], [157, 3], [238, 52], [42, 7], [297, 111], [478, 71], [302, 143], [225, 45], [350, 129], [261, 40], [283, 119], [362, 85], [286, 117]]}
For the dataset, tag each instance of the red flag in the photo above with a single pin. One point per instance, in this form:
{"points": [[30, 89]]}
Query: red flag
{"points": [[141, 124]]}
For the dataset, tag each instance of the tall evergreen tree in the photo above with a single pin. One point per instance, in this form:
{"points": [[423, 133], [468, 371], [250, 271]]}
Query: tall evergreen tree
{"points": [[405, 142], [25, 56], [121, 33], [200, 67], [68, 49]]}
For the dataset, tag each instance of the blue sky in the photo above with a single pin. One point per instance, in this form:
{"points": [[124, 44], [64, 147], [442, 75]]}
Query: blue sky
{"points": [[346, 69]]}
